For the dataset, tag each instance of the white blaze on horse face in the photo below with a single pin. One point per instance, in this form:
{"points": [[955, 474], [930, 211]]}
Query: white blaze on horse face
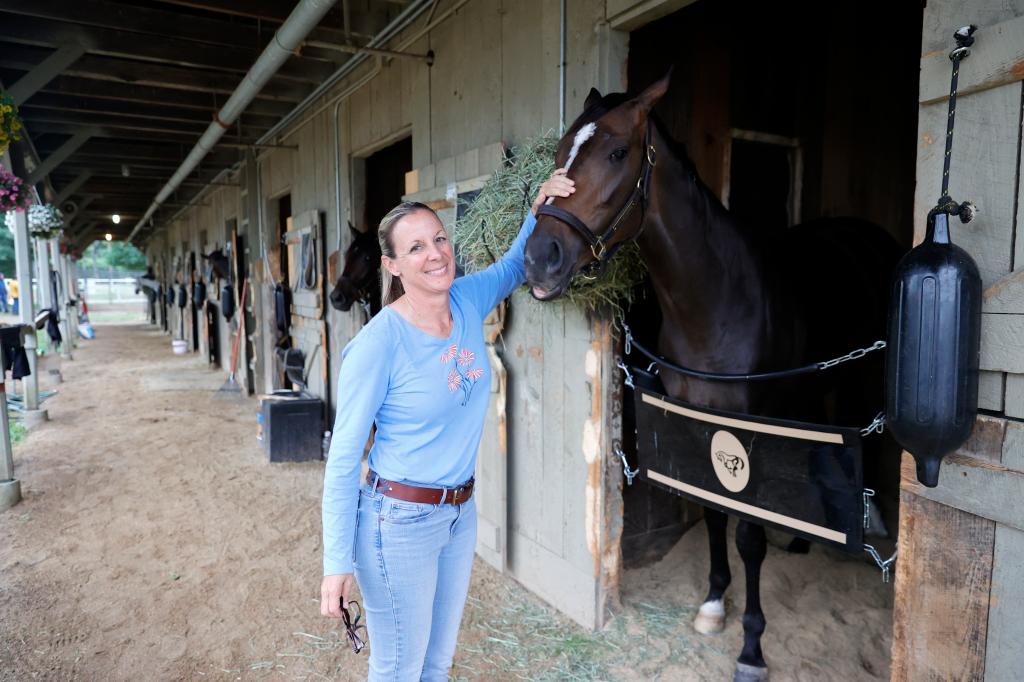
{"points": [[582, 135]]}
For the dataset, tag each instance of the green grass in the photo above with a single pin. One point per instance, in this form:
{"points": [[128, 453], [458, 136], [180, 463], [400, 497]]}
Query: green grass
{"points": [[17, 431]]}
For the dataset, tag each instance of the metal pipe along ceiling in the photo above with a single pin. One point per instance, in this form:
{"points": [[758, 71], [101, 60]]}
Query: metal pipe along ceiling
{"points": [[306, 15]]}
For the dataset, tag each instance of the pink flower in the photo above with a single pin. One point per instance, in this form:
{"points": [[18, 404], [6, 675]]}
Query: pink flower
{"points": [[475, 373], [447, 356], [466, 357], [454, 381]]}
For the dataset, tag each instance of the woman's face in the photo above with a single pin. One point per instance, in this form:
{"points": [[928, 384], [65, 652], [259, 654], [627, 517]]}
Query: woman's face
{"points": [[423, 255]]}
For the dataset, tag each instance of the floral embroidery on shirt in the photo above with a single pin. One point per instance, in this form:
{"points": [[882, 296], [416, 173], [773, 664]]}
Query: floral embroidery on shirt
{"points": [[458, 379], [447, 356]]}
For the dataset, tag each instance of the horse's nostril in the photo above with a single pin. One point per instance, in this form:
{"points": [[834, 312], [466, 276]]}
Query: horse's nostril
{"points": [[554, 255]]}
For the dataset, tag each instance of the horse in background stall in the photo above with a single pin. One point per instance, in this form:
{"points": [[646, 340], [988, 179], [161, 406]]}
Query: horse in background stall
{"points": [[219, 262], [733, 299], [360, 276]]}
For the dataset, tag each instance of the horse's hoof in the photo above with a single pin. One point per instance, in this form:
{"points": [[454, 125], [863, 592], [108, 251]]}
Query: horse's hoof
{"points": [[711, 618], [750, 673]]}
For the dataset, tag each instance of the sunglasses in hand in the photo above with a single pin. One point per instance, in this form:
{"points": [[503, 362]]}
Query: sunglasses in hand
{"points": [[353, 616]]}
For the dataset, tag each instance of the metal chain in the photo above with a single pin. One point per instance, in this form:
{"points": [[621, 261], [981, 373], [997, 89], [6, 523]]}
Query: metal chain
{"points": [[885, 564], [876, 426], [630, 474], [868, 493], [852, 355], [625, 370]]}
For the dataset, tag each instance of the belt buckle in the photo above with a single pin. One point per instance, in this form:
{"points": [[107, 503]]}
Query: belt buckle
{"points": [[455, 495]]}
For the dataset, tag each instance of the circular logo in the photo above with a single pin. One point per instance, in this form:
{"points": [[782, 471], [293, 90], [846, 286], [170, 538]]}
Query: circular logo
{"points": [[730, 461]]}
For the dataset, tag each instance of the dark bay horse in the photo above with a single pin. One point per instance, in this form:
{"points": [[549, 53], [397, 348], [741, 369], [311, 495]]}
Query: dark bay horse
{"points": [[360, 276], [733, 299]]}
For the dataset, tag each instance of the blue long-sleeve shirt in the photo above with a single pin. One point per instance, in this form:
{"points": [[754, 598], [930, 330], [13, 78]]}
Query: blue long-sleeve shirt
{"points": [[427, 395]]}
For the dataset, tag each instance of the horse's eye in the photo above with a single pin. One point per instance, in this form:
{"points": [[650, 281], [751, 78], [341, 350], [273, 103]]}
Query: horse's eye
{"points": [[618, 155]]}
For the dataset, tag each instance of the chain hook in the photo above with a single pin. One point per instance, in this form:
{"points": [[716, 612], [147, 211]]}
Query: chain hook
{"points": [[625, 370], [868, 494], [885, 564], [630, 474], [876, 426]]}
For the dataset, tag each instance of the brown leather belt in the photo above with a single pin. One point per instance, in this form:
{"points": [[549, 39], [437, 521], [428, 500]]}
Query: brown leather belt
{"points": [[412, 493]]}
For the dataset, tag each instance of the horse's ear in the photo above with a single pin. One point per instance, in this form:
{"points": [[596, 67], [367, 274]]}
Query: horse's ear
{"points": [[593, 98], [654, 92], [355, 233]]}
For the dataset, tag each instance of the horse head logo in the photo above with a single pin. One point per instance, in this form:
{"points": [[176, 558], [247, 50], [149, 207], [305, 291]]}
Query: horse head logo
{"points": [[732, 463]]}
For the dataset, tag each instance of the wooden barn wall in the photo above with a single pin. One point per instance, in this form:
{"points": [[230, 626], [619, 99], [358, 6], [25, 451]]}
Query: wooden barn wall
{"points": [[958, 584], [493, 85], [211, 218]]}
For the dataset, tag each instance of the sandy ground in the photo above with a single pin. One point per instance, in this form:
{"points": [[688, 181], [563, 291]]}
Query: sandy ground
{"points": [[156, 543]]}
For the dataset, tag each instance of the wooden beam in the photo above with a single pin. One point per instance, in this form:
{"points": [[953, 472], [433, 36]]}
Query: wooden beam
{"points": [[146, 94], [169, 111], [266, 10], [63, 152], [69, 123], [159, 22], [130, 154], [101, 68], [997, 58], [71, 187], [44, 72], [135, 46]]}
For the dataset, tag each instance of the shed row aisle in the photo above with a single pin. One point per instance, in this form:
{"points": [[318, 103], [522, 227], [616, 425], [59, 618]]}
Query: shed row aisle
{"points": [[155, 542]]}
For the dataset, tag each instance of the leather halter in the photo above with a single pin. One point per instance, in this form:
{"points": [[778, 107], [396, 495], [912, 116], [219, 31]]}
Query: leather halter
{"points": [[599, 244]]}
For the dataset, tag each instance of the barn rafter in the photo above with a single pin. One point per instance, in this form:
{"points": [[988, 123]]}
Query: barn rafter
{"points": [[115, 93]]}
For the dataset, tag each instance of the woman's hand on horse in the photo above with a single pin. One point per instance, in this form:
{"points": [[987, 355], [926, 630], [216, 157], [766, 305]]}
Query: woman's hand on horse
{"points": [[558, 185], [334, 592]]}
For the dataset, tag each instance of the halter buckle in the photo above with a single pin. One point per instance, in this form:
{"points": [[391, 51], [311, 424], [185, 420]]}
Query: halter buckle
{"points": [[652, 155], [598, 249]]}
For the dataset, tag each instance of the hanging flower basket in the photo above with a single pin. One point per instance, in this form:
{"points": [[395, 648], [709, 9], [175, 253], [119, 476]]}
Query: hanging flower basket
{"points": [[44, 221], [15, 195], [10, 124]]}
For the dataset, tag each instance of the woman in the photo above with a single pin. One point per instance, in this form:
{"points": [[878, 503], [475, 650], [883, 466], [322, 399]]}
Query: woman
{"points": [[419, 370]]}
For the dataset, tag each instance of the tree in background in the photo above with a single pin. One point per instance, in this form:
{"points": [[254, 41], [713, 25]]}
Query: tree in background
{"points": [[121, 256], [7, 263]]}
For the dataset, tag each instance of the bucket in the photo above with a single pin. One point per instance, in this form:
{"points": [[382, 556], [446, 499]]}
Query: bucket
{"points": [[179, 346]]}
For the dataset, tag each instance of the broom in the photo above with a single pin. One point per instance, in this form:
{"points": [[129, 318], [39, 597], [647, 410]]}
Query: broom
{"points": [[231, 386]]}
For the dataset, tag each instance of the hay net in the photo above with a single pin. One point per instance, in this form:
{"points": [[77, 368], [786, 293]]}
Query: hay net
{"points": [[489, 223]]}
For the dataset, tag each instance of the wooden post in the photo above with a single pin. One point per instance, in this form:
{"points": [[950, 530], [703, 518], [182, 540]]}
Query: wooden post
{"points": [[61, 303]]}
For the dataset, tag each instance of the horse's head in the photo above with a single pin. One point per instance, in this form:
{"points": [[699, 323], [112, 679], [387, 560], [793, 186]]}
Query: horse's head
{"points": [[362, 266], [607, 153], [219, 260]]}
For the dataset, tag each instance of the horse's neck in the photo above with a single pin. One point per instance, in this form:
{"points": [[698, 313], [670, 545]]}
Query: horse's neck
{"points": [[704, 267]]}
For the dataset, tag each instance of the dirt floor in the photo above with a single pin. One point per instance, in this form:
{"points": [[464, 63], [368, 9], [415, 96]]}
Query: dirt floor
{"points": [[155, 542]]}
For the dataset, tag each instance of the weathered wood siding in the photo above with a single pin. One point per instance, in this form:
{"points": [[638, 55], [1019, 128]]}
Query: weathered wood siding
{"points": [[962, 543]]}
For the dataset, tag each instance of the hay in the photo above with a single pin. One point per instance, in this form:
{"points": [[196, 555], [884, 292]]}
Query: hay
{"points": [[492, 220]]}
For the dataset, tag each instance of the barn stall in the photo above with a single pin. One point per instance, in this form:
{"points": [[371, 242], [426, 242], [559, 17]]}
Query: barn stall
{"points": [[459, 119], [493, 83]]}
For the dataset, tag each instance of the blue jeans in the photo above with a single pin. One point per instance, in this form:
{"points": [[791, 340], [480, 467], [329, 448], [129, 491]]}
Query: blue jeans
{"points": [[412, 563]]}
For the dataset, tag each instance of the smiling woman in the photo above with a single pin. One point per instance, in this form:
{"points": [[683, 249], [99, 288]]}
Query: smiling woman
{"points": [[418, 370]]}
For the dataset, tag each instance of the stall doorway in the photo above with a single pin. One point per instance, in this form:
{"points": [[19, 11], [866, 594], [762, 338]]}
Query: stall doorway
{"points": [[385, 181], [781, 136]]}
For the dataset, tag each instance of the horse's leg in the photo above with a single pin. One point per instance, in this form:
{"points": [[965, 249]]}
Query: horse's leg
{"points": [[711, 617], [752, 545]]}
